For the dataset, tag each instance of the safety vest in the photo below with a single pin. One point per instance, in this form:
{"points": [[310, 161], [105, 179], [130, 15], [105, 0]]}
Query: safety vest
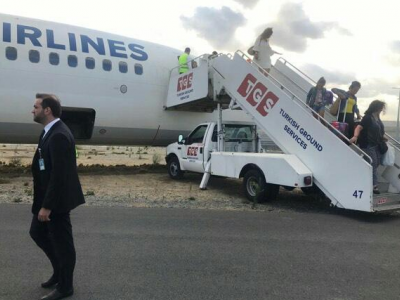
{"points": [[183, 59]]}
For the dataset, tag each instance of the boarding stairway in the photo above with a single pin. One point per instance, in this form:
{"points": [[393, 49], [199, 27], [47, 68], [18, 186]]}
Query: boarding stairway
{"points": [[299, 84], [342, 171]]}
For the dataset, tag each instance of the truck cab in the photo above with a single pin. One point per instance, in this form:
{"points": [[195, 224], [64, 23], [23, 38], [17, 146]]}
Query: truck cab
{"points": [[194, 151]]}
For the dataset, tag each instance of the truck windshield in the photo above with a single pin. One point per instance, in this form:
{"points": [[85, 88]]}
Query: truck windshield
{"points": [[238, 132]]}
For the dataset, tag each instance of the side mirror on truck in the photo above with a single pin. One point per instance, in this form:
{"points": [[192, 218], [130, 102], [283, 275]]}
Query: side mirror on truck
{"points": [[180, 139]]}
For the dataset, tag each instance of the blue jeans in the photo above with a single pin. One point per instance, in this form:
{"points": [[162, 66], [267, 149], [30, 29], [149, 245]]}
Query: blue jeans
{"points": [[373, 152]]}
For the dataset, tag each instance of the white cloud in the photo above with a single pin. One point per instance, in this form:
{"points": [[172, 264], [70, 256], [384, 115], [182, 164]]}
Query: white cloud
{"points": [[293, 28], [395, 46], [217, 26], [247, 3], [333, 78]]}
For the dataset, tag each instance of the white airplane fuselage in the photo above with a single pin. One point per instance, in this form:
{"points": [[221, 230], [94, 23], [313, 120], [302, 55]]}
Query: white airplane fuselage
{"points": [[117, 107]]}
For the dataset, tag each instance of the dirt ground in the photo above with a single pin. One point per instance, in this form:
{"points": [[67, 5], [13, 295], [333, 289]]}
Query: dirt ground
{"points": [[137, 177], [90, 155], [117, 175]]}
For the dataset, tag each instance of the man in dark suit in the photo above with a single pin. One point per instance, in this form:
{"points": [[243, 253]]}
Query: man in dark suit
{"points": [[57, 191]]}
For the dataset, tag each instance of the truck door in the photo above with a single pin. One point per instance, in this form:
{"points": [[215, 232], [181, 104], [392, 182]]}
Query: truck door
{"points": [[193, 150]]}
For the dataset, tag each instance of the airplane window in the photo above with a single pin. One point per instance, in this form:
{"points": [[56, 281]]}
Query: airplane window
{"points": [[34, 56], [54, 58], [72, 61], [90, 63], [11, 53], [107, 65], [138, 69], [123, 67]]}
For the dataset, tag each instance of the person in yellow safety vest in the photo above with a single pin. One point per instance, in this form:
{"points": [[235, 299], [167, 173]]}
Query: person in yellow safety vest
{"points": [[183, 61]]}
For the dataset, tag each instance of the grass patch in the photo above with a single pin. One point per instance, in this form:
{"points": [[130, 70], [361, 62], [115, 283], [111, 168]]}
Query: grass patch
{"points": [[17, 200], [15, 162], [28, 192], [156, 158]]}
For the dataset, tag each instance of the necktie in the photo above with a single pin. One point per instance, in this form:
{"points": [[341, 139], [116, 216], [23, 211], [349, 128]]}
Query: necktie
{"points": [[41, 136]]}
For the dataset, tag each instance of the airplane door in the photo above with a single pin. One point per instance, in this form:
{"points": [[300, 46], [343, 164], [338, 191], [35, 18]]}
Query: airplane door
{"points": [[194, 150]]}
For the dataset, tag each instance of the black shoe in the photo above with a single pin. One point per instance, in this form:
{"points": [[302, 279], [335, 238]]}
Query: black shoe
{"points": [[376, 191], [51, 282], [55, 295]]}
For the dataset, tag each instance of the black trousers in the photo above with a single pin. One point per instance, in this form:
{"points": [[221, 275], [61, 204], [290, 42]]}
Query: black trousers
{"points": [[56, 240]]}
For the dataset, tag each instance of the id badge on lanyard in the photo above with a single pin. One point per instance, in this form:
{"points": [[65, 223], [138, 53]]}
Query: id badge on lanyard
{"points": [[41, 161]]}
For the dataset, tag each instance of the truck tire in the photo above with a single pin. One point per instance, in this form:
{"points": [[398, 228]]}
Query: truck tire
{"points": [[174, 168], [254, 185]]}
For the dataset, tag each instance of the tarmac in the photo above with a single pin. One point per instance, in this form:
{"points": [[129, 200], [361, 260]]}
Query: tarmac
{"points": [[140, 253]]}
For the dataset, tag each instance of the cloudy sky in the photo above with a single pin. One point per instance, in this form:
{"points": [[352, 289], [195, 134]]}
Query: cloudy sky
{"points": [[341, 40]]}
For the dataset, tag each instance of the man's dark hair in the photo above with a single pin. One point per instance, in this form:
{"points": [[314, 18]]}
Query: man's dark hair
{"points": [[51, 101], [355, 84]]}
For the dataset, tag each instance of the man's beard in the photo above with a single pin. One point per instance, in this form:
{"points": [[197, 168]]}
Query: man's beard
{"points": [[38, 119]]}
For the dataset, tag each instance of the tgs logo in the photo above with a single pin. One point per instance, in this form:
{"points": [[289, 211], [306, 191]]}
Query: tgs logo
{"points": [[257, 95], [185, 82]]}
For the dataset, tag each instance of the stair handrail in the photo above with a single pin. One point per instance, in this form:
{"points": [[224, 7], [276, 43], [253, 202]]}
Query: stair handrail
{"points": [[393, 141], [309, 110], [305, 92], [305, 75], [299, 87], [297, 69]]}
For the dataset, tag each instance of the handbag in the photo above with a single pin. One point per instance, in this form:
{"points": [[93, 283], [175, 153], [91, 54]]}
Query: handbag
{"points": [[335, 107], [388, 158], [251, 51], [383, 147]]}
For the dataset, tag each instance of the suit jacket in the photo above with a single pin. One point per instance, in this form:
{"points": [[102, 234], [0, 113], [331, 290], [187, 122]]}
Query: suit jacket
{"points": [[57, 187]]}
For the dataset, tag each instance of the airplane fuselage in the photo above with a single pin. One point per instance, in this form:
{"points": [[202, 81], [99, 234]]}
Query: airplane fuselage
{"points": [[112, 88]]}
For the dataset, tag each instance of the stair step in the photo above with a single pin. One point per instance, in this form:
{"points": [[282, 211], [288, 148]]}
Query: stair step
{"points": [[386, 201]]}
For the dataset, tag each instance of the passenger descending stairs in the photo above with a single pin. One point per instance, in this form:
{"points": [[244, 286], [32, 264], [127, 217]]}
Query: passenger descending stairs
{"points": [[299, 84], [340, 170]]}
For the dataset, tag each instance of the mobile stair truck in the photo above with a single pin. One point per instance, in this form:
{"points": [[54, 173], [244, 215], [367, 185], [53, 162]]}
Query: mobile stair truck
{"points": [[314, 153]]}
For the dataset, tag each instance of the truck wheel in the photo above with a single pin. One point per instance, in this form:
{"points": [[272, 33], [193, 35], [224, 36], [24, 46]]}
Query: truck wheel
{"points": [[174, 168], [254, 185]]}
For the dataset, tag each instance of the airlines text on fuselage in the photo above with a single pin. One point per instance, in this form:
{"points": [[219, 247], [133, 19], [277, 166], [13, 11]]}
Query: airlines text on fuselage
{"points": [[24, 33]]}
